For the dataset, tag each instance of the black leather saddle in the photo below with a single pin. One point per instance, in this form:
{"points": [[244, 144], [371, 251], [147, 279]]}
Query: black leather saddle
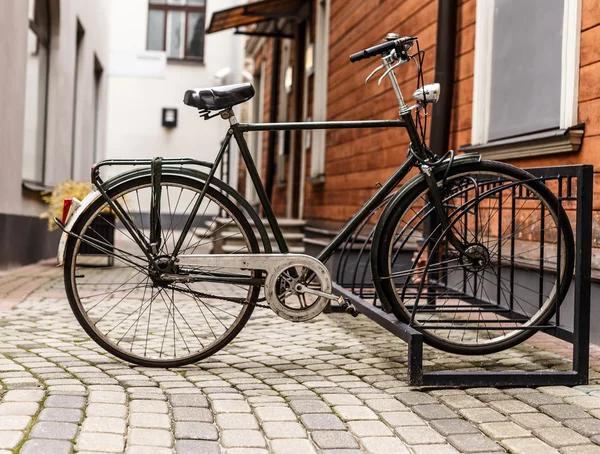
{"points": [[218, 98]]}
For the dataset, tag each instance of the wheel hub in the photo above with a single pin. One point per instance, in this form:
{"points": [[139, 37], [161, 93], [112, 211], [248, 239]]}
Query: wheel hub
{"points": [[165, 265], [476, 258]]}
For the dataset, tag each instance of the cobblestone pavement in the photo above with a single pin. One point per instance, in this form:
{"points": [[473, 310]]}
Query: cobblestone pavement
{"points": [[336, 385]]}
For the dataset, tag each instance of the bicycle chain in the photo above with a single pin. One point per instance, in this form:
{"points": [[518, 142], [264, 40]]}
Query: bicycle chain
{"points": [[224, 298]]}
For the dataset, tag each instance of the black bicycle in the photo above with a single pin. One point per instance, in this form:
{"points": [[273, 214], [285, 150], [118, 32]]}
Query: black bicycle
{"points": [[453, 253]]}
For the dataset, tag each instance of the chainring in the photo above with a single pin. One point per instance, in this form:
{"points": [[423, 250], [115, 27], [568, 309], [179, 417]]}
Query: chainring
{"points": [[289, 303]]}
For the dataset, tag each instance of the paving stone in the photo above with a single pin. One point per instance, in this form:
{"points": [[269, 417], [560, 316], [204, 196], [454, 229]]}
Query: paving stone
{"points": [[559, 437], [10, 438], [528, 446], [369, 429], [151, 420], [414, 435], [321, 421], [188, 400], [54, 430], [581, 449], [292, 446], [196, 431], [107, 397], [401, 418], [453, 426], [534, 420], [230, 406], [467, 443], [439, 449], [107, 410], [564, 411], [65, 401], [560, 391], [91, 441], [342, 451], [586, 427], [502, 430], [349, 413], [39, 446], [265, 414], [149, 437], [242, 439], [145, 450], [385, 445], [236, 421], [24, 396], [148, 406], [283, 430], [60, 415], [334, 439], [18, 408], [341, 399], [301, 407], [14, 422], [416, 398], [481, 415], [434, 411], [385, 405], [510, 407], [539, 398], [192, 414], [585, 402], [104, 424], [197, 447]]}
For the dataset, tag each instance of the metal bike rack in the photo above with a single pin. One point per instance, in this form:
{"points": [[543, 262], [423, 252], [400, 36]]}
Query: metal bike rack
{"points": [[351, 272]]}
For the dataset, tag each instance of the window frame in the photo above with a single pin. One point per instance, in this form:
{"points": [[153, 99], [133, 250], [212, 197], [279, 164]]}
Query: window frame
{"points": [[482, 72], [186, 9], [43, 35]]}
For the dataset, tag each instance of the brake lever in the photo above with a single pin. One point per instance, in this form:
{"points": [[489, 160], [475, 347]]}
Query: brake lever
{"points": [[375, 71], [400, 63]]}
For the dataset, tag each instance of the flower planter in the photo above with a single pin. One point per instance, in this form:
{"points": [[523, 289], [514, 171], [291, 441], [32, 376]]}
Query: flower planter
{"points": [[101, 229]]}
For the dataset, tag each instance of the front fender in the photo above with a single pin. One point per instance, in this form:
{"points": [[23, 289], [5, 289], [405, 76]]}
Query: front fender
{"points": [[167, 170]]}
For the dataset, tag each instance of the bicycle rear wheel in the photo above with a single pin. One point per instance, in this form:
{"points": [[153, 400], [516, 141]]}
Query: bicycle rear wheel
{"points": [[516, 267], [119, 305]]}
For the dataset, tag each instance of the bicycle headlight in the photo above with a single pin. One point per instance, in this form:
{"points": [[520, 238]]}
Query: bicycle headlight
{"points": [[427, 94]]}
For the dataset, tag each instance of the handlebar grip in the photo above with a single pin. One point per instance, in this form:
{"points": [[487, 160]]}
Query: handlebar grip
{"points": [[372, 51]]}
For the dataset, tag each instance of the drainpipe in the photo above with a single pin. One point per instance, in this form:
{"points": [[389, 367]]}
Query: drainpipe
{"points": [[273, 108], [445, 57]]}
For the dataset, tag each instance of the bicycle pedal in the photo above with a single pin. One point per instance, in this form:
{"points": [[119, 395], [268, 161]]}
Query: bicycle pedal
{"points": [[350, 309]]}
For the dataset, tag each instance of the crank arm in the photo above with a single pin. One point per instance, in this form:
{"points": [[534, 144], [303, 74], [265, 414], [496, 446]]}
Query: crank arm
{"points": [[329, 296]]}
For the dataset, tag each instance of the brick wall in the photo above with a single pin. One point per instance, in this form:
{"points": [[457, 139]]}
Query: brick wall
{"points": [[356, 160]]}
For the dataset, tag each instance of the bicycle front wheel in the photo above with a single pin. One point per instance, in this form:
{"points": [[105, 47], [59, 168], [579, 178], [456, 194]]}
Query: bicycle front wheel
{"points": [[493, 276], [110, 289]]}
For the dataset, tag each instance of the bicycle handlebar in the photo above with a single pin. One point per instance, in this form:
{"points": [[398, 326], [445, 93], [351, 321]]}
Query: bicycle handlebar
{"points": [[381, 48]]}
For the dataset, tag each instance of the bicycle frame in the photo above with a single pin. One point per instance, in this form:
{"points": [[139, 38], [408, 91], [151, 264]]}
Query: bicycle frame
{"points": [[237, 131]]}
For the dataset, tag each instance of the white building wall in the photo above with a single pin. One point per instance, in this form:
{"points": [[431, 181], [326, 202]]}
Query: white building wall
{"points": [[23, 235], [141, 85]]}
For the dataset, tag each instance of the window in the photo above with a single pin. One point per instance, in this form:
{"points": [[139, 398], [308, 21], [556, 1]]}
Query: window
{"points": [[177, 27], [36, 89], [526, 68], [321, 77], [285, 89], [256, 137]]}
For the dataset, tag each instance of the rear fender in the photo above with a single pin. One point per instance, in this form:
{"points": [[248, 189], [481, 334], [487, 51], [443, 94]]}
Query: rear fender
{"points": [[167, 170]]}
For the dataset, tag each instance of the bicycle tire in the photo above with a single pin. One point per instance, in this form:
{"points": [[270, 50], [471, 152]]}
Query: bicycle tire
{"points": [[73, 289], [427, 295]]}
